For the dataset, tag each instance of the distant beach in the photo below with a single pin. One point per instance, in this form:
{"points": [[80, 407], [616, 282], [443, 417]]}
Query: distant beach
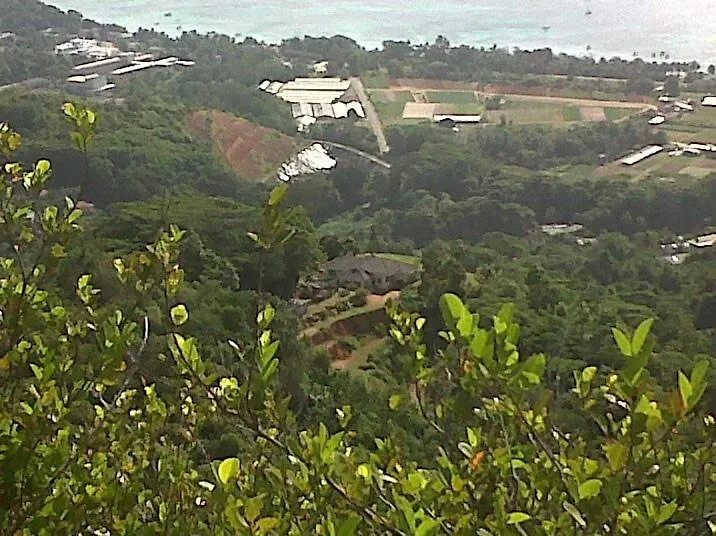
{"points": [[650, 29]]}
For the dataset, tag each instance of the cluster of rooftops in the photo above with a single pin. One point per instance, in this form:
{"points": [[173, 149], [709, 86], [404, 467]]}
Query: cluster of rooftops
{"points": [[315, 98], [107, 60]]}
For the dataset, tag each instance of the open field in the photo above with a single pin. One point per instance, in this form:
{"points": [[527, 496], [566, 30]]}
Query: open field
{"points": [[420, 99], [452, 97], [699, 126], [525, 112], [389, 104], [661, 167], [253, 152]]}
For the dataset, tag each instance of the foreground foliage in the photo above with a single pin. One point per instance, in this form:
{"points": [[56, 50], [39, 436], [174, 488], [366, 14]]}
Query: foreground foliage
{"points": [[92, 440]]}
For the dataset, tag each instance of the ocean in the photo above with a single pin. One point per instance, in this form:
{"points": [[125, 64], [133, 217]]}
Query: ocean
{"points": [[681, 29]]}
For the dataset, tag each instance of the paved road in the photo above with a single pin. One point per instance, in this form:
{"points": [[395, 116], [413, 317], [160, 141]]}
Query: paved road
{"points": [[358, 152], [371, 114]]}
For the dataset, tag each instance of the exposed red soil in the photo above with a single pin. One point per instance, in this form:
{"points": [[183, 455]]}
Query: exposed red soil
{"points": [[253, 152]]}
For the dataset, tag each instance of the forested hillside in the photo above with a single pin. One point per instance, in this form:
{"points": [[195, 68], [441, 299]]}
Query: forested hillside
{"points": [[178, 357]]}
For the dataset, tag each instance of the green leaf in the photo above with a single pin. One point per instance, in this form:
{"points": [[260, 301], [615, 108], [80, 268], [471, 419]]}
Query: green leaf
{"points": [[698, 381], [179, 314], [407, 510], [515, 518], [364, 471], [685, 389], [533, 368], [589, 489], [665, 512], [228, 469], [640, 335], [428, 527], [266, 525], [348, 526], [452, 309], [472, 437], [576, 514], [616, 455], [37, 371], [269, 351], [622, 342], [69, 109], [253, 508], [635, 366], [277, 195]]}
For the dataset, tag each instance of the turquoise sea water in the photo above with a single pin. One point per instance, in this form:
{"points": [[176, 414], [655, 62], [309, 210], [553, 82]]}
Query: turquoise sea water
{"points": [[684, 29]]}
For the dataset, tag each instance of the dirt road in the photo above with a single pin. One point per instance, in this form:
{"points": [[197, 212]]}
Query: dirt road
{"points": [[371, 114], [363, 154]]}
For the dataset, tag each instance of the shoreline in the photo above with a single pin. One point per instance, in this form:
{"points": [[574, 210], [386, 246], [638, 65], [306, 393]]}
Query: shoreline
{"points": [[168, 26]]}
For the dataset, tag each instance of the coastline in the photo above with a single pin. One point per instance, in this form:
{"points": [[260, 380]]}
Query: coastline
{"points": [[600, 34]]}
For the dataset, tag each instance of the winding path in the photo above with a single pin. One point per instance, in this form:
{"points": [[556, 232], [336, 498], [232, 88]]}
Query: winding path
{"points": [[362, 154]]}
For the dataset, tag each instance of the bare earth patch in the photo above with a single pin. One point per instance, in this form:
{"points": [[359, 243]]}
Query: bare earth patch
{"points": [[253, 152], [422, 110], [593, 113]]}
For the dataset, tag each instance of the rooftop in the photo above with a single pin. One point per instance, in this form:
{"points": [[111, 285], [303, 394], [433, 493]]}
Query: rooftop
{"points": [[643, 154], [369, 264]]}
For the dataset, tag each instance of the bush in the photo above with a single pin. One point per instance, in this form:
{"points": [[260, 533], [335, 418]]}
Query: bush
{"points": [[359, 298]]}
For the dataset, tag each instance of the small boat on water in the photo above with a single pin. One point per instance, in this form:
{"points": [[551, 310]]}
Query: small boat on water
{"points": [[588, 12], [546, 28], [168, 14]]}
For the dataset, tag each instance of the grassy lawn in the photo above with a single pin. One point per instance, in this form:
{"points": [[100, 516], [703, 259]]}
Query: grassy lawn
{"points": [[375, 79], [391, 113], [571, 113], [661, 166], [527, 113], [388, 96], [452, 97], [699, 126], [390, 104], [614, 114]]}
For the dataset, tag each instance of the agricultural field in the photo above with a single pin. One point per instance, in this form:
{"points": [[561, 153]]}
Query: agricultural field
{"points": [[452, 97], [424, 98], [253, 152], [349, 333], [699, 126], [390, 104], [662, 167], [524, 112]]}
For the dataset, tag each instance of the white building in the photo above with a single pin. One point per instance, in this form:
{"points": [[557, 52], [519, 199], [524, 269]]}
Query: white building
{"points": [[658, 120], [705, 241], [88, 85], [709, 101], [87, 47], [643, 154]]}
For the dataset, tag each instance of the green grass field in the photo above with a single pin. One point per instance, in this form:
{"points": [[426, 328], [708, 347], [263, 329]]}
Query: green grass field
{"points": [[662, 166], [615, 114], [452, 97], [699, 126], [375, 79], [527, 112], [571, 113]]}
